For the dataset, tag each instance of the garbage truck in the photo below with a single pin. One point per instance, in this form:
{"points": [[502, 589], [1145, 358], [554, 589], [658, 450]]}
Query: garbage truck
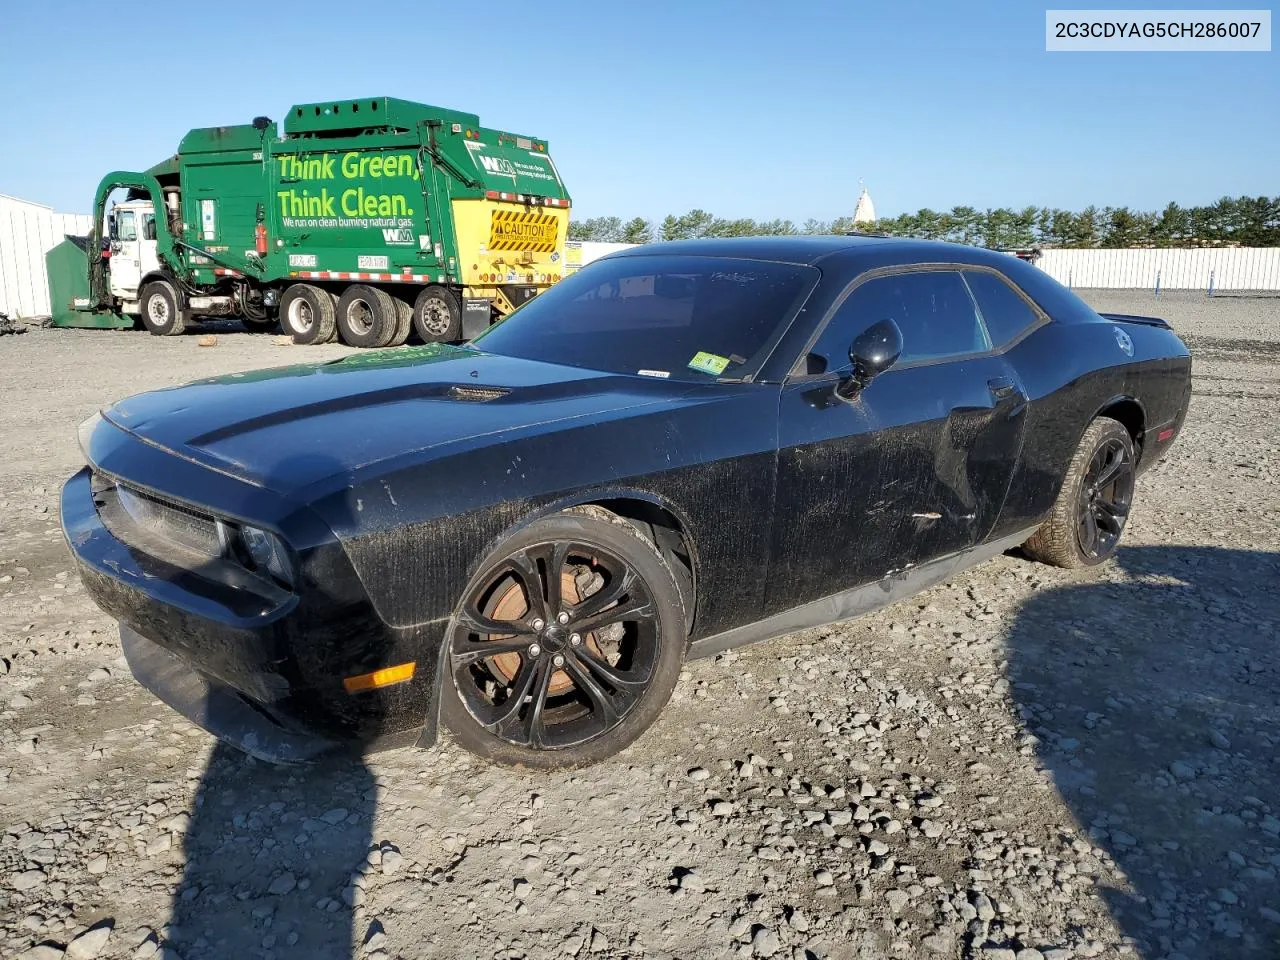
{"points": [[364, 220]]}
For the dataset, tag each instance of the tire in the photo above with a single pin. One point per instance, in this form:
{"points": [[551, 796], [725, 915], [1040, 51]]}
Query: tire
{"points": [[437, 315], [1084, 505], [590, 696], [366, 316], [160, 313], [404, 323], [307, 314]]}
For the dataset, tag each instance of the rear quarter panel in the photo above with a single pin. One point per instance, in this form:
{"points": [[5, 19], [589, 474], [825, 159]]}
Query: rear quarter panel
{"points": [[1073, 371]]}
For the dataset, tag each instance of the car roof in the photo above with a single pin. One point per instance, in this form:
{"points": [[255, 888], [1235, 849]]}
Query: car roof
{"points": [[813, 249]]}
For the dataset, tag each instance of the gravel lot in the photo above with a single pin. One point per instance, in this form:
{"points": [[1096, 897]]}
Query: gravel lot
{"points": [[1018, 763]]}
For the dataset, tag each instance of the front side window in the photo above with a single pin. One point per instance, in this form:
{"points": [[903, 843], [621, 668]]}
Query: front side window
{"points": [[126, 228], [148, 226], [671, 317], [1004, 311], [932, 308]]}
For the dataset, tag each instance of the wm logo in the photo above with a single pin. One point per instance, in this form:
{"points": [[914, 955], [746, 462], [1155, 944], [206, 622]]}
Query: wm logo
{"points": [[498, 165], [403, 235]]}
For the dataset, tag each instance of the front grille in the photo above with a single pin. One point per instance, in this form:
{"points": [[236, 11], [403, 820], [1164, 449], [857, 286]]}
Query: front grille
{"points": [[164, 529]]}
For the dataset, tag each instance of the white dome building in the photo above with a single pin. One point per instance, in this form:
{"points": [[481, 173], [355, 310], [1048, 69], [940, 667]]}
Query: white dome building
{"points": [[865, 211]]}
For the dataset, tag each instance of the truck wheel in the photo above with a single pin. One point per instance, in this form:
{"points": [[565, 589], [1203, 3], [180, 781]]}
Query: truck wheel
{"points": [[404, 323], [366, 316], [160, 313], [437, 315], [306, 314]]}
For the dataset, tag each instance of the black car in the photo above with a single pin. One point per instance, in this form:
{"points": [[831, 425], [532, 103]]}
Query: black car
{"points": [[681, 448]]}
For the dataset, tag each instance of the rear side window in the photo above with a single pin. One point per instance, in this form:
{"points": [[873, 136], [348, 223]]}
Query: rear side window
{"points": [[1004, 311], [933, 310]]}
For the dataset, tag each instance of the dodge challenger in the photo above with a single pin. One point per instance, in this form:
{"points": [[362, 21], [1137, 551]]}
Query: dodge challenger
{"points": [[681, 448]]}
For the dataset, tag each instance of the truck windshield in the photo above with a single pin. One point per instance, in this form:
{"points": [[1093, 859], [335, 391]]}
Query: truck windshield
{"points": [[673, 317]]}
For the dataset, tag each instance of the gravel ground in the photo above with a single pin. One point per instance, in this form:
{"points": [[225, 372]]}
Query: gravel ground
{"points": [[1018, 763]]}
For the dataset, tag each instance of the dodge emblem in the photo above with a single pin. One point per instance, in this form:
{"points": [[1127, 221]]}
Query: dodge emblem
{"points": [[1125, 342]]}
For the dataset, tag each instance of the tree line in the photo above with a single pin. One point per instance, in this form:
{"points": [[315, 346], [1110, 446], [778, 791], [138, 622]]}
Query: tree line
{"points": [[1241, 221]]}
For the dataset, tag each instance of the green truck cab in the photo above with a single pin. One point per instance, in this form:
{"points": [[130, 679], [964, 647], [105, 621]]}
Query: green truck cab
{"points": [[362, 219]]}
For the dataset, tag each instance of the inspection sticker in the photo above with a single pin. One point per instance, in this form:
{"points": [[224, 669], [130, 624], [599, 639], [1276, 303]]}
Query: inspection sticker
{"points": [[711, 363]]}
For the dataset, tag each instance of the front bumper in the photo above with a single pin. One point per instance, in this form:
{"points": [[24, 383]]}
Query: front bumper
{"points": [[218, 708], [264, 675]]}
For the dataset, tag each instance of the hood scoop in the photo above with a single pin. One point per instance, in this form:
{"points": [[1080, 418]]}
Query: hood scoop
{"points": [[476, 394]]}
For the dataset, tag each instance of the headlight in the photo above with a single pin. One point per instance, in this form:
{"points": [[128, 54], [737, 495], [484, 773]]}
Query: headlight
{"points": [[267, 553]]}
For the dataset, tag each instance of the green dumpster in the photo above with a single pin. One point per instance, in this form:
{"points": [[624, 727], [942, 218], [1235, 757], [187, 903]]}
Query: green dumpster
{"points": [[68, 268]]}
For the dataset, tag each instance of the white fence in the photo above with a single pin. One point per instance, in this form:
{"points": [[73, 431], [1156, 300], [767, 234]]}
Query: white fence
{"points": [[27, 232], [1219, 269], [30, 230]]}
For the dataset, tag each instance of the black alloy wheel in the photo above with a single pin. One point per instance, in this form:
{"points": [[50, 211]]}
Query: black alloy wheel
{"points": [[565, 647], [1084, 526], [1105, 498]]}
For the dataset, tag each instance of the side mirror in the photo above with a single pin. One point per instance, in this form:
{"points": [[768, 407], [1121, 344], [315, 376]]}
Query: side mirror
{"points": [[872, 352]]}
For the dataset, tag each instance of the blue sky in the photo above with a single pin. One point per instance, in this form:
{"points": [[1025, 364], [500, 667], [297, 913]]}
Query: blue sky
{"points": [[759, 109]]}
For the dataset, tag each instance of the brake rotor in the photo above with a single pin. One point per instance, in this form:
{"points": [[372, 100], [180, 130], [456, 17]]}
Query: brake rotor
{"points": [[510, 603]]}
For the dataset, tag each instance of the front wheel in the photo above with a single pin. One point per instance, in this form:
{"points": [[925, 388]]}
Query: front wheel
{"points": [[161, 314], [1087, 519], [565, 646]]}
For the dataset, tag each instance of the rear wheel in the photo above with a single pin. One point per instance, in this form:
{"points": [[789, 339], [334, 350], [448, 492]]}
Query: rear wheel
{"points": [[307, 314], [565, 646], [367, 316], [437, 315], [404, 323], [1086, 522], [160, 312]]}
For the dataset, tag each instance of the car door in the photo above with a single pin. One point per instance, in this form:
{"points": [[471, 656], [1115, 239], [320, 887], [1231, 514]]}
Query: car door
{"points": [[126, 270], [916, 466]]}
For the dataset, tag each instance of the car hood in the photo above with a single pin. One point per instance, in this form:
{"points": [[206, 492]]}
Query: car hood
{"points": [[286, 428]]}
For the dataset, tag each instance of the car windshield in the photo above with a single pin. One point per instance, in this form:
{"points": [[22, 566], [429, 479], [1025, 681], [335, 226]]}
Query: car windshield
{"points": [[673, 317]]}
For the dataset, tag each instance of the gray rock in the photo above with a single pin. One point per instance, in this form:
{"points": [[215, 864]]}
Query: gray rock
{"points": [[1030, 953], [1182, 770], [824, 878], [938, 943], [693, 883], [283, 884], [159, 844], [334, 816], [98, 864], [43, 951], [1219, 740], [998, 953], [698, 774], [897, 900], [27, 880], [89, 944], [766, 943], [798, 921], [599, 942], [521, 889], [738, 927]]}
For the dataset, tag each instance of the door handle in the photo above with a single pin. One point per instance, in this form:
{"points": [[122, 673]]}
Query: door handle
{"points": [[1001, 387]]}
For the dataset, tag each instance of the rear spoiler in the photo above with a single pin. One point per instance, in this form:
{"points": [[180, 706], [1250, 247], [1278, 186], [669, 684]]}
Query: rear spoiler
{"points": [[1131, 318]]}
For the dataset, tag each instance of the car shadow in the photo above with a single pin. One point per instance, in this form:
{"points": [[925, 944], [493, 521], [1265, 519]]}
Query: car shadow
{"points": [[1154, 702], [276, 853], [271, 853]]}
